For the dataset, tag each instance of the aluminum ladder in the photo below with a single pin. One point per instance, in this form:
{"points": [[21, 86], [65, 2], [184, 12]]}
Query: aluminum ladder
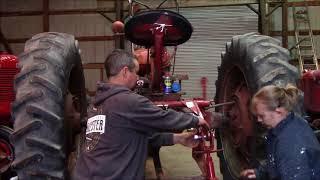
{"points": [[306, 51]]}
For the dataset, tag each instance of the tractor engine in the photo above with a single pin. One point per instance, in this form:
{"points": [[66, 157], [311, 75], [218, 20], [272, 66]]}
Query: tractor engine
{"points": [[146, 60], [8, 69]]}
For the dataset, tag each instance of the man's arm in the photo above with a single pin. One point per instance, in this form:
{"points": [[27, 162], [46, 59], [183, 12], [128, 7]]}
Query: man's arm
{"points": [[161, 139], [169, 139], [147, 117]]}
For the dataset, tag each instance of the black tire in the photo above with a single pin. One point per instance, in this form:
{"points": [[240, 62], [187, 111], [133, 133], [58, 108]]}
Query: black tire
{"points": [[250, 62], [50, 69]]}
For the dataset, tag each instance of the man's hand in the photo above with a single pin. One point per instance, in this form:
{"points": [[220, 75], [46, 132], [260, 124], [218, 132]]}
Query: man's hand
{"points": [[186, 139], [215, 119], [218, 119], [203, 122], [248, 174]]}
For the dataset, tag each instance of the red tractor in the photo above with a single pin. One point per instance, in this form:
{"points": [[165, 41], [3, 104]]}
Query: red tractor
{"points": [[155, 29], [8, 69], [250, 62]]}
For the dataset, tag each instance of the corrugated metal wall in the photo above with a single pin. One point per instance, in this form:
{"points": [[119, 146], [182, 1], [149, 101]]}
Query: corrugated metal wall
{"points": [[201, 55]]}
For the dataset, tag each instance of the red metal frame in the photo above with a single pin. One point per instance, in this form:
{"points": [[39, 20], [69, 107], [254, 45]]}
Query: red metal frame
{"points": [[6, 155], [158, 48], [206, 135], [197, 106], [203, 133], [8, 69], [160, 28], [310, 85]]}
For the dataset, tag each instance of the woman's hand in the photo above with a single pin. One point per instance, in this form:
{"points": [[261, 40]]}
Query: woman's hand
{"points": [[248, 174]]}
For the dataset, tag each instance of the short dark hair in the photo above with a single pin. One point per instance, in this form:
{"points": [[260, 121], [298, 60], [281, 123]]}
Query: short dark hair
{"points": [[118, 59]]}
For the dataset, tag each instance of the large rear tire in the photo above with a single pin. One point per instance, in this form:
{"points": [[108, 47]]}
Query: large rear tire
{"points": [[250, 62], [50, 69]]}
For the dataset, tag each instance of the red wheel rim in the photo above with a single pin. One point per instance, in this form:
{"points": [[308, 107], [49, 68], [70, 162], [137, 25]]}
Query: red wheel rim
{"points": [[6, 155], [236, 137]]}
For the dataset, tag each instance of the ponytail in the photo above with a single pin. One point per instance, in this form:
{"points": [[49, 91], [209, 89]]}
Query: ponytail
{"points": [[274, 97], [290, 97]]}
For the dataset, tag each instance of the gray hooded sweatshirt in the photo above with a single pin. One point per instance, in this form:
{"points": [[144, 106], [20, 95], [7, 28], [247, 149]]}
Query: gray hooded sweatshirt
{"points": [[116, 144]]}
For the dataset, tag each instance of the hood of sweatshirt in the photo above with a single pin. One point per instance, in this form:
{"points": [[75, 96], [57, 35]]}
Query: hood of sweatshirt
{"points": [[107, 90]]}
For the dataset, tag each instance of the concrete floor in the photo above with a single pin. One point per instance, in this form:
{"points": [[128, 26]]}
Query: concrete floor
{"points": [[178, 164]]}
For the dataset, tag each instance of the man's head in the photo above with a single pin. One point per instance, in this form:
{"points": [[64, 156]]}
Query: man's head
{"points": [[121, 68]]}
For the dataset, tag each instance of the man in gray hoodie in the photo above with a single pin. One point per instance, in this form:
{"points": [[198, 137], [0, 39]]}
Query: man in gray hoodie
{"points": [[117, 137]]}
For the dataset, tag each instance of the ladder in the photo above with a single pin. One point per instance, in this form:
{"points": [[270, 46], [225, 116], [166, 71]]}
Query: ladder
{"points": [[306, 51]]}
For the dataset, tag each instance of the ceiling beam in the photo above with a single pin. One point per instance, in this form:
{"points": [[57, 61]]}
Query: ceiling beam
{"points": [[292, 33], [168, 4], [79, 38], [57, 12], [303, 3], [196, 3]]}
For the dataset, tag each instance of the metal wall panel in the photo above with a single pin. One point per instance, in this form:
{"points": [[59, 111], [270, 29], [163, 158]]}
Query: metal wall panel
{"points": [[21, 26], [201, 55], [86, 25], [95, 51], [314, 17], [82, 24], [19, 5], [317, 45], [92, 76], [72, 4]]}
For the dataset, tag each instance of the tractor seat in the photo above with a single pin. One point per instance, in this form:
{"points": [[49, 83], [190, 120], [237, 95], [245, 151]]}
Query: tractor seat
{"points": [[177, 29]]}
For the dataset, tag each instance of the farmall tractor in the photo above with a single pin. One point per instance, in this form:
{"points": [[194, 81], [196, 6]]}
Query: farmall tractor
{"points": [[249, 62], [50, 102]]}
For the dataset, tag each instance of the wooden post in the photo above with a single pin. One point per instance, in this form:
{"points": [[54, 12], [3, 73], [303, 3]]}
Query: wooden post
{"points": [[119, 41], [45, 19], [285, 24], [5, 43]]}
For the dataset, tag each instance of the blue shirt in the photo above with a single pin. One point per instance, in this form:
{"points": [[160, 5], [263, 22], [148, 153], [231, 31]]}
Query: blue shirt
{"points": [[293, 152]]}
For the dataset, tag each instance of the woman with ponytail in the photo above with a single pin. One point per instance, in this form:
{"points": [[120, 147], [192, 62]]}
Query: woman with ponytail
{"points": [[293, 151]]}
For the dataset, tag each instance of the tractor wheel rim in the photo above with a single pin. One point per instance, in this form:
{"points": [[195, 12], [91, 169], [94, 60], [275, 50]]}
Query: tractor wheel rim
{"points": [[235, 138], [6, 153]]}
